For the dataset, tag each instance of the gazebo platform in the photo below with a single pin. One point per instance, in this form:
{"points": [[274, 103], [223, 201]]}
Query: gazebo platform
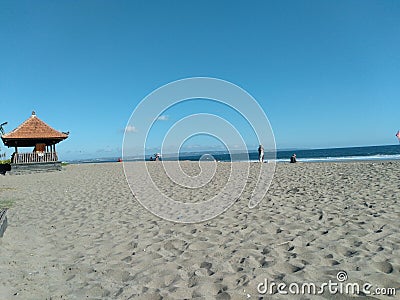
{"points": [[27, 168], [35, 133]]}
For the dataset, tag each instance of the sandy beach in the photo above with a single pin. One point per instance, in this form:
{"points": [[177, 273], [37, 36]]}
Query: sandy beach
{"points": [[80, 234]]}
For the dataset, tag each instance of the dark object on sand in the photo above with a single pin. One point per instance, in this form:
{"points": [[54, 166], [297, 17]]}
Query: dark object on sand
{"points": [[293, 159], [3, 221], [4, 168]]}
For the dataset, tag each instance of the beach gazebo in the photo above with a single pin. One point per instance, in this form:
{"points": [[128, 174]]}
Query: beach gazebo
{"points": [[37, 134]]}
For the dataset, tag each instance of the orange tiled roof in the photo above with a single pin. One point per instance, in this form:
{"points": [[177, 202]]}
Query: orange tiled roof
{"points": [[34, 128]]}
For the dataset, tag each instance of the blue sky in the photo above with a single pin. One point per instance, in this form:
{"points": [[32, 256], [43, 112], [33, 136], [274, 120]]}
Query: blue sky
{"points": [[326, 73]]}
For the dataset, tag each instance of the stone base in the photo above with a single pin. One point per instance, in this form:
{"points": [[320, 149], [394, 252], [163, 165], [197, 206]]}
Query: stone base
{"points": [[35, 168]]}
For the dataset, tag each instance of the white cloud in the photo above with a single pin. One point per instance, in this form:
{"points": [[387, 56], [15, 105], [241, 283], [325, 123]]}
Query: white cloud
{"points": [[130, 128], [163, 118]]}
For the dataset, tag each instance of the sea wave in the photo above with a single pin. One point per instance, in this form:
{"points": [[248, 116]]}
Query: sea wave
{"points": [[370, 153], [378, 157]]}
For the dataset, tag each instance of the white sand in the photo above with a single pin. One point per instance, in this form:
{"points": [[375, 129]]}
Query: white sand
{"points": [[80, 234]]}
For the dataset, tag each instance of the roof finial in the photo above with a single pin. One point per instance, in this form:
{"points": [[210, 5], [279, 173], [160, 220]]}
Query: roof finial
{"points": [[33, 113]]}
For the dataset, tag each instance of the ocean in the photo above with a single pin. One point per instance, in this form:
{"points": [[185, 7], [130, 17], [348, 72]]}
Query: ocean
{"points": [[389, 152]]}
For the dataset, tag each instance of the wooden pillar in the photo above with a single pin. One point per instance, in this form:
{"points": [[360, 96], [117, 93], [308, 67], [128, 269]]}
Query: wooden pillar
{"points": [[55, 153], [16, 149]]}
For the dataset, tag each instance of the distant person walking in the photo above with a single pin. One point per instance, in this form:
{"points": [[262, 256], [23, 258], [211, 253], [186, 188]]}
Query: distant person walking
{"points": [[261, 153], [293, 158]]}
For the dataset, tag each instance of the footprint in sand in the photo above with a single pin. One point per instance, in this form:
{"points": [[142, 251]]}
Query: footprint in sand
{"points": [[383, 266], [287, 268], [200, 245]]}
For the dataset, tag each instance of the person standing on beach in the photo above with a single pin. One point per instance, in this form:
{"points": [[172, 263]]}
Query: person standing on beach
{"points": [[260, 153]]}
